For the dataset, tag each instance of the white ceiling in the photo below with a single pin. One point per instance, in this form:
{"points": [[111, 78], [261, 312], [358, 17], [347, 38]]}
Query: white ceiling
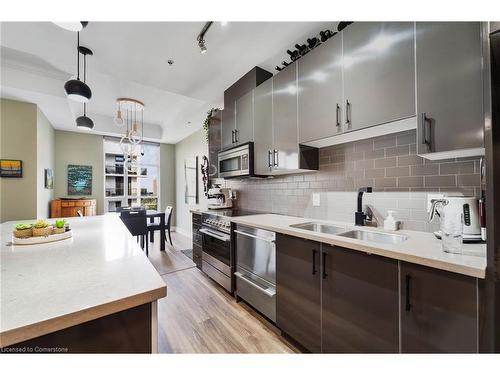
{"points": [[130, 59]]}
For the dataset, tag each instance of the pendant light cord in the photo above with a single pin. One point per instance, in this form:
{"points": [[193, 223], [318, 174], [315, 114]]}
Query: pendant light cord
{"points": [[78, 55]]}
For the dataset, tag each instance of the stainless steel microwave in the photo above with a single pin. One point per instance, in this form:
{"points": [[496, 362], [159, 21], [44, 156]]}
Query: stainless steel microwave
{"points": [[236, 161]]}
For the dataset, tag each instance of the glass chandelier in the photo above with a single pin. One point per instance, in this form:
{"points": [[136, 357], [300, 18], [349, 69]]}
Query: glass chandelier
{"points": [[130, 113]]}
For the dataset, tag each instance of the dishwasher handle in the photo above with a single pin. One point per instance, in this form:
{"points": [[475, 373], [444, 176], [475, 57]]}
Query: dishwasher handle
{"points": [[271, 292], [253, 236]]}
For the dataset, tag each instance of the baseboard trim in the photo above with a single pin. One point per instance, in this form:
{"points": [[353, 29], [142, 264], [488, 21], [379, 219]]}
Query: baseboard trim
{"points": [[181, 231]]}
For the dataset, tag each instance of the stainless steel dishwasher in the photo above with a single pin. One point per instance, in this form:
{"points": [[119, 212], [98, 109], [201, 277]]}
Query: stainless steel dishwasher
{"points": [[255, 274]]}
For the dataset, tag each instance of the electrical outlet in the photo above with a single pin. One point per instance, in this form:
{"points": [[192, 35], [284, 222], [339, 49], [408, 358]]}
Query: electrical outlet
{"points": [[430, 197], [316, 200]]}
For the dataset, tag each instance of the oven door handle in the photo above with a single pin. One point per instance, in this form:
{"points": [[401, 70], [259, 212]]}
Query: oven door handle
{"points": [[222, 237], [270, 292], [253, 236]]}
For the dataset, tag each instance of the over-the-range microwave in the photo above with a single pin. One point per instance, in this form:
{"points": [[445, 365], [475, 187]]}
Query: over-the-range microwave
{"points": [[236, 161]]}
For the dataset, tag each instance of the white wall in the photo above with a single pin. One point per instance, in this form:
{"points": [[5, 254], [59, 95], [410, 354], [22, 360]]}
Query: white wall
{"points": [[194, 145], [18, 142], [45, 159], [167, 177]]}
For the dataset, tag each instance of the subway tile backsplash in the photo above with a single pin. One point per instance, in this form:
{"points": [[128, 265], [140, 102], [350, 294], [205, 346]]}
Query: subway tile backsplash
{"points": [[400, 179]]}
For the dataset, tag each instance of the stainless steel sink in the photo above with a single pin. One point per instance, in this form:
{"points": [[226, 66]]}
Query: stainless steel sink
{"points": [[320, 227], [365, 235]]}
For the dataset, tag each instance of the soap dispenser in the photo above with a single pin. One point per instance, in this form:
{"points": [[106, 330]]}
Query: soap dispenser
{"points": [[390, 223]]}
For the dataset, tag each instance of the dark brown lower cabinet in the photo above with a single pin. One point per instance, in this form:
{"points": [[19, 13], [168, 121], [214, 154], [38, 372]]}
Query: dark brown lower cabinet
{"points": [[197, 242], [298, 299], [438, 311], [127, 331], [360, 302]]}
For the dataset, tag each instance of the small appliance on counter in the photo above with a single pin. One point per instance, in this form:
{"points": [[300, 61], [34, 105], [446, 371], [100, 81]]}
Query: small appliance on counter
{"points": [[471, 225], [219, 198]]}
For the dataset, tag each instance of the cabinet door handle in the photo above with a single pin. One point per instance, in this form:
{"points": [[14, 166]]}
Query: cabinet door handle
{"points": [[236, 136], [324, 266], [425, 121], [269, 158], [347, 110], [337, 116], [232, 136], [276, 158], [314, 261], [407, 285]]}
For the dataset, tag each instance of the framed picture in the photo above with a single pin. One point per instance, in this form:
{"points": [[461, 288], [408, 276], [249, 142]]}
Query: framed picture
{"points": [[49, 178], [79, 180], [11, 168]]}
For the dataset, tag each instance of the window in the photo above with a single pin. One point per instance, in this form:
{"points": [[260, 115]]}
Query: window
{"points": [[138, 186]]}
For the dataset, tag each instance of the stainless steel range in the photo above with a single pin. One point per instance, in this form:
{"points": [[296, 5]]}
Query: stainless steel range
{"points": [[217, 252]]}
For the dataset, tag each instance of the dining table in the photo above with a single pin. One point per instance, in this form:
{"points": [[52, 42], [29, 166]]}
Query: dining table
{"points": [[151, 215]]}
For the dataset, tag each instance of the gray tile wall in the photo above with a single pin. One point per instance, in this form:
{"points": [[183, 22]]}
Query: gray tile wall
{"points": [[401, 181]]}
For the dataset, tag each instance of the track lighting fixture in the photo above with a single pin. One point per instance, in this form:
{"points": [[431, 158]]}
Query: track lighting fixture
{"points": [[72, 26], [203, 48], [201, 37], [84, 122], [75, 89]]}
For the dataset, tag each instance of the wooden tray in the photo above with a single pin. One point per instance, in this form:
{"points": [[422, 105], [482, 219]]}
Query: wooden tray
{"points": [[37, 240]]}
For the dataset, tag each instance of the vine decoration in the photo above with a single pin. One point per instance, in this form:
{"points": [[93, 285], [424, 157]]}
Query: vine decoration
{"points": [[206, 123]]}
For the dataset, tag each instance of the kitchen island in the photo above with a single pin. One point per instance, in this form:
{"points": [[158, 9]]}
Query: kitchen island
{"points": [[94, 292]]}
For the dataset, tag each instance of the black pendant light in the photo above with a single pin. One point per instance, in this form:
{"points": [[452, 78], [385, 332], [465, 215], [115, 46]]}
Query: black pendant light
{"points": [[75, 89], [84, 122]]}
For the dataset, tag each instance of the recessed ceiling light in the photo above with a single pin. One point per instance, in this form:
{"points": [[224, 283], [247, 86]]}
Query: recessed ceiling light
{"points": [[223, 23]]}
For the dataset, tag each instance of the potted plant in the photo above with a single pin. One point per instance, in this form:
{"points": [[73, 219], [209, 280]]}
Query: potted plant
{"points": [[206, 123], [23, 230], [60, 226], [42, 228]]}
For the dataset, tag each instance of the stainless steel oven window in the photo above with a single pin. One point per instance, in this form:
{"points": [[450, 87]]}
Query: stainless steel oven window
{"points": [[217, 246]]}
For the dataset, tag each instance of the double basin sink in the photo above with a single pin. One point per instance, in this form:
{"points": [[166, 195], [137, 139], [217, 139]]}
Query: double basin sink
{"points": [[357, 234]]}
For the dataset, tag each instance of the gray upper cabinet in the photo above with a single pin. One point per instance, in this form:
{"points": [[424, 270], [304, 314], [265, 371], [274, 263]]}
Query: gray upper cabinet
{"points": [[228, 127], [449, 87], [379, 73], [244, 118], [263, 127], [285, 132], [320, 91]]}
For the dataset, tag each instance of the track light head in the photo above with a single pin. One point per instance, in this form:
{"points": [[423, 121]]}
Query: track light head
{"points": [[201, 44]]}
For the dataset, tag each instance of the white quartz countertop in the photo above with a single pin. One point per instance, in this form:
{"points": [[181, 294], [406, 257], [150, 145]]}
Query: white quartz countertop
{"points": [[47, 287], [420, 247]]}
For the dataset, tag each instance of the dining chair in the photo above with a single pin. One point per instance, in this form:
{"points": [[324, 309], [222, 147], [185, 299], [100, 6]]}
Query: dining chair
{"points": [[156, 225], [136, 223]]}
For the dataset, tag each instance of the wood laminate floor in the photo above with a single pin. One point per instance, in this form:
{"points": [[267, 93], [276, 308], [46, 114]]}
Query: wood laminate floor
{"points": [[198, 316]]}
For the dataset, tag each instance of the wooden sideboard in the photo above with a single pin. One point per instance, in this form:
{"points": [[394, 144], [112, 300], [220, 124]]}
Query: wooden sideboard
{"points": [[70, 207]]}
